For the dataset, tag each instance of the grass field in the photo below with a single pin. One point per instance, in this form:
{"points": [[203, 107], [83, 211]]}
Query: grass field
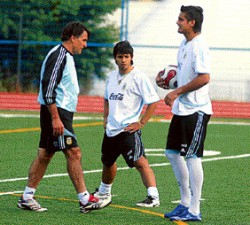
{"points": [[226, 190]]}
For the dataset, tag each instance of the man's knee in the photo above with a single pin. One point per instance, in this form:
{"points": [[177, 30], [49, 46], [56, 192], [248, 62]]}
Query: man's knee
{"points": [[73, 153], [141, 163], [43, 156]]}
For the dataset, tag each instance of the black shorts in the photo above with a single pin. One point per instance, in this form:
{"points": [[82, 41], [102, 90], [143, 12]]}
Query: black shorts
{"points": [[50, 142], [129, 145], [187, 134]]}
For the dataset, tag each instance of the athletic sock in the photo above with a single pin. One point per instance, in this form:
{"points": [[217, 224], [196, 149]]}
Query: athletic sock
{"points": [[105, 188], [28, 193], [196, 182], [83, 197], [180, 169], [153, 192]]}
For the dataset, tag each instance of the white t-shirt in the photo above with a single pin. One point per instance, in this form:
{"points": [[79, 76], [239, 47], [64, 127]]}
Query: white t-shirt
{"points": [[193, 59], [127, 98]]}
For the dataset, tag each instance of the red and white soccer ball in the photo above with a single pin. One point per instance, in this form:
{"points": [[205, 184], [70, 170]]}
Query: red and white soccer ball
{"points": [[169, 76]]}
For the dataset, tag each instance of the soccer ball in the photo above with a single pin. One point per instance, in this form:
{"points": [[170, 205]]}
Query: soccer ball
{"points": [[169, 76]]}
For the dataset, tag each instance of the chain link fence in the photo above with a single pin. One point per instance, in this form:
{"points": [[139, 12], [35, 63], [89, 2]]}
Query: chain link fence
{"points": [[151, 28]]}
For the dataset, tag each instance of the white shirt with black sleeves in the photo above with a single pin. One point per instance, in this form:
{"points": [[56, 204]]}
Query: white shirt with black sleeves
{"points": [[58, 80]]}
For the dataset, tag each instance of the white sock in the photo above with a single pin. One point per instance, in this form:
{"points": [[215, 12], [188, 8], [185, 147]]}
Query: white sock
{"points": [[196, 182], [84, 197], [180, 169], [153, 191], [105, 188], [28, 193]]}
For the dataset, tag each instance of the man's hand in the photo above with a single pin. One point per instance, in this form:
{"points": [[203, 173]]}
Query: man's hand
{"points": [[170, 97], [58, 127], [133, 127]]}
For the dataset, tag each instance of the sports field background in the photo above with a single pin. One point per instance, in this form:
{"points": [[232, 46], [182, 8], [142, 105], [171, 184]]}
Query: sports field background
{"points": [[225, 198], [226, 191]]}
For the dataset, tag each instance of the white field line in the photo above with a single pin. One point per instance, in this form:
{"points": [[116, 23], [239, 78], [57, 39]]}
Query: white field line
{"points": [[210, 122], [4, 115], [161, 152], [126, 168], [10, 192]]}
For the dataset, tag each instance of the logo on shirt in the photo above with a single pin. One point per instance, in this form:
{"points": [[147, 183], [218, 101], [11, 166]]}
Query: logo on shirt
{"points": [[118, 96]]}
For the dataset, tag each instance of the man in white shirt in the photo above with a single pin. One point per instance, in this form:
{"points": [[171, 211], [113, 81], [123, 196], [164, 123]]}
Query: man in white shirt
{"points": [[192, 109], [127, 91]]}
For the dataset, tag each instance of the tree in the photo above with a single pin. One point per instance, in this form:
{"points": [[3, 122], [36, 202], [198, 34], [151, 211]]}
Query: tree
{"points": [[35, 25]]}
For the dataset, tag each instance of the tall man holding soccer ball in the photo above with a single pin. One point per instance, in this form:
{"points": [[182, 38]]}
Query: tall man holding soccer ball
{"points": [[191, 108]]}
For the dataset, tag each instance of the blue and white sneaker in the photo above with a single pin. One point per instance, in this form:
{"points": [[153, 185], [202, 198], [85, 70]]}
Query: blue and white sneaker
{"points": [[186, 216], [177, 211], [30, 204]]}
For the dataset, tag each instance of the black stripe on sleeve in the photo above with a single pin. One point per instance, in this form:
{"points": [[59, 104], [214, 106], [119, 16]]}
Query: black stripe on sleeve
{"points": [[53, 74]]}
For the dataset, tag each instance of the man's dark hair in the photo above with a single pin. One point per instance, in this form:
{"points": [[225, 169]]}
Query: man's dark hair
{"points": [[123, 47], [194, 13], [74, 28]]}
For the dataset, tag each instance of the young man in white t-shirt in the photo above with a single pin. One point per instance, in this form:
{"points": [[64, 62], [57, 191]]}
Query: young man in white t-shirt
{"points": [[127, 91], [192, 109]]}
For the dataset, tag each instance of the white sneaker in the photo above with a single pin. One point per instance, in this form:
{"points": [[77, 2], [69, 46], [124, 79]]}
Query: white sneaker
{"points": [[93, 204], [30, 204], [149, 202], [105, 199]]}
